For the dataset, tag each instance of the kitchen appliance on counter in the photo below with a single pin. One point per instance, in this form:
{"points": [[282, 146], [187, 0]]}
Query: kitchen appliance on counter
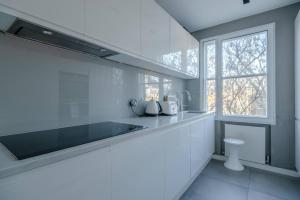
{"points": [[153, 108], [27, 145], [169, 107]]}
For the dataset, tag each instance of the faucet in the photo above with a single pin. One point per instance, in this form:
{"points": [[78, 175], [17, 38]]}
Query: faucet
{"points": [[188, 97]]}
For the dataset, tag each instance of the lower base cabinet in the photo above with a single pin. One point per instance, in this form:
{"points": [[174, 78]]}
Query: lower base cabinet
{"points": [[177, 160], [154, 166], [198, 144], [83, 177], [202, 143], [138, 169], [161, 164], [210, 136]]}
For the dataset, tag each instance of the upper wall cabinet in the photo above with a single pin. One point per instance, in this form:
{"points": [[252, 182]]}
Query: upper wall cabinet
{"points": [[192, 57], [179, 44], [155, 31], [184, 50], [65, 13], [116, 22], [140, 32]]}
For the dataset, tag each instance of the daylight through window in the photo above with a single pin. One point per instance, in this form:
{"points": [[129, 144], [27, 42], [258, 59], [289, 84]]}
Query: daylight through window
{"points": [[239, 82]]}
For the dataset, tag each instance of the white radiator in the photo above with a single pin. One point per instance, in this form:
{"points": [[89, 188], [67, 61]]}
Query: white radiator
{"points": [[254, 149]]}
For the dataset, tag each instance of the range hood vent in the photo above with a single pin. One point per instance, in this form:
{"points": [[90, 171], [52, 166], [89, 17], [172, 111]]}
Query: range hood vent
{"points": [[38, 33]]}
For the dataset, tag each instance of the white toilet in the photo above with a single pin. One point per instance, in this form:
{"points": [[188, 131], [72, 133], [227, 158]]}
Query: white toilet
{"points": [[233, 161]]}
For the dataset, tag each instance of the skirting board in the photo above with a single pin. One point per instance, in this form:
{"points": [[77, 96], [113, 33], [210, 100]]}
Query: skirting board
{"points": [[268, 168]]}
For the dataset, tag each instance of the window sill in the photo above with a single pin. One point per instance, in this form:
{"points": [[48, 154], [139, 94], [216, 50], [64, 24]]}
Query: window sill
{"points": [[252, 120]]}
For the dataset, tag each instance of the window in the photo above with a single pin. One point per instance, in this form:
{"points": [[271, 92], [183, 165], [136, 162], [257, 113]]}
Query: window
{"points": [[239, 75], [210, 73]]}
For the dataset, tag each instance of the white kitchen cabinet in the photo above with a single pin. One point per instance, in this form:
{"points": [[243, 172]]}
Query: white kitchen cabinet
{"points": [[65, 13], [202, 143], [179, 39], [138, 168], [198, 146], [116, 22], [155, 31], [210, 136], [297, 145], [192, 57], [143, 33], [83, 177], [177, 160], [157, 165]]}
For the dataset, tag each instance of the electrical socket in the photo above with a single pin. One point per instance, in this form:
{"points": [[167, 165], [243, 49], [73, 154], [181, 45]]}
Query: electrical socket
{"points": [[133, 102]]}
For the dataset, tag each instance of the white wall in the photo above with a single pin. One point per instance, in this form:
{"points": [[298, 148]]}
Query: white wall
{"points": [[283, 133]]}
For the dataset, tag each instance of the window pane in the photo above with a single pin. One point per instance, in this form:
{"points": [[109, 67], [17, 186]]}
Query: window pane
{"points": [[211, 95], [245, 96], [210, 59], [245, 55]]}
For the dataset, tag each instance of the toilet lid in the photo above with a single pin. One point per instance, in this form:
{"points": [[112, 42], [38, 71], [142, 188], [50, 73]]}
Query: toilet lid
{"points": [[234, 141]]}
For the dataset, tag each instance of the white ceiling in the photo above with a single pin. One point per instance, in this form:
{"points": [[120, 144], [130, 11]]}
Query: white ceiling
{"points": [[199, 14]]}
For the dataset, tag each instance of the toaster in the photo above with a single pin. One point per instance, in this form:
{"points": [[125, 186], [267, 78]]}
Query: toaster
{"points": [[169, 108]]}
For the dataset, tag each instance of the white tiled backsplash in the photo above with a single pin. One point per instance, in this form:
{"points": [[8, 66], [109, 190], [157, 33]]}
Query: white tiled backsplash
{"points": [[44, 87]]}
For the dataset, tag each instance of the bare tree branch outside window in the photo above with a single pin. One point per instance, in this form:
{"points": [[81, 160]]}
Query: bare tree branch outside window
{"points": [[244, 74], [210, 60]]}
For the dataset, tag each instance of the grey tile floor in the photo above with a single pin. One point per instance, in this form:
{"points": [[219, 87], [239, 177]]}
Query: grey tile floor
{"points": [[218, 183]]}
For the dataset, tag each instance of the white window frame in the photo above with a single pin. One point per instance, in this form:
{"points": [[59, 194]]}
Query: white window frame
{"points": [[206, 43], [271, 76]]}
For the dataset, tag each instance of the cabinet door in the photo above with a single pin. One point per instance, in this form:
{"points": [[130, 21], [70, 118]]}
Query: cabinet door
{"points": [[66, 13], [193, 57], [155, 31], [179, 44], [210, 136], [138, 169], [116, 22], [297, 143], [83, 177], [177, 156], [198, 146]]}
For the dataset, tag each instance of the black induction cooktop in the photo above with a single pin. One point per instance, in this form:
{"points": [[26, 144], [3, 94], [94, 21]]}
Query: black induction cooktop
{"points": [[32, 144]]}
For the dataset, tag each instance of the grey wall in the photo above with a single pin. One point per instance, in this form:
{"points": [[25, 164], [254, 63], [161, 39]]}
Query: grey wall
{"points": [[44, 87], [282, 135]]}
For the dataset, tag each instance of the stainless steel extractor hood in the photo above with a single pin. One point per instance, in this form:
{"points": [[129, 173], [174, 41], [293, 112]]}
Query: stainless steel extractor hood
{"points": [[27, 30]]}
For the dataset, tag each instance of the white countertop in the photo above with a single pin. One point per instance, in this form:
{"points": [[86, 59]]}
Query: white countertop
{"points": [[10, 166]]}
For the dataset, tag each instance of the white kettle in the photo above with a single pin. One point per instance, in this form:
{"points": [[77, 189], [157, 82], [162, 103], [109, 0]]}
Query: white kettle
{"points": [[153, 108]]}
